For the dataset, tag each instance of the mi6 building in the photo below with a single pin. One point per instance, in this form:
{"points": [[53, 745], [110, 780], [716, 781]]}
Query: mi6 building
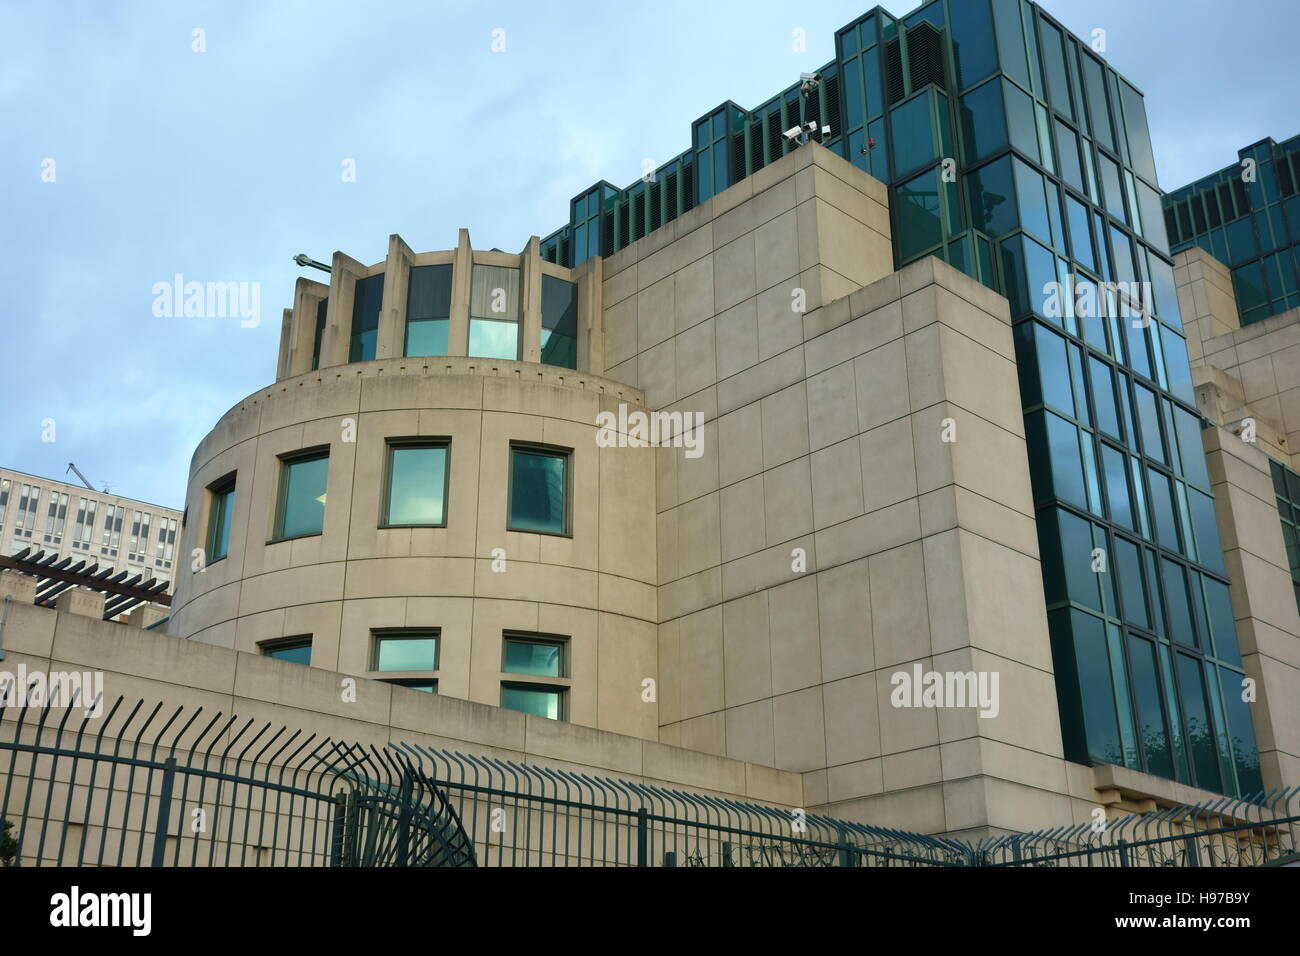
{"points": [[931, 419]]}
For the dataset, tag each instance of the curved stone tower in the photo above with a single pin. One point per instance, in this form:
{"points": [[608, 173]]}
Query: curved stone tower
{"points": [[445, 521]]}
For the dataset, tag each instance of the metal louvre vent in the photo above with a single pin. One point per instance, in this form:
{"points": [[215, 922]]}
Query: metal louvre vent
{"points": [[925, 56], [671, 186], [774, 134], [624, 236], [894, 88], [830, 114], [656, 196], [607, 234], [756, 161]]}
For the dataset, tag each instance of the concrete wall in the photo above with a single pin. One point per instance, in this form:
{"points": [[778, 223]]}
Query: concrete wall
{"points": [[1251, 376], [214, 680], [1240, 372]]}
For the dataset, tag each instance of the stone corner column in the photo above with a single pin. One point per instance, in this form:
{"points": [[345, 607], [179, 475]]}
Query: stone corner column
{"points": [[345, 271], [390, 341], [530, 299], [591, 315], [463, 267]]}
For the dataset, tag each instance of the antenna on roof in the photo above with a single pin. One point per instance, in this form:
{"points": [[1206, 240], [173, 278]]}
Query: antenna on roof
{"points": [[84, 481]]}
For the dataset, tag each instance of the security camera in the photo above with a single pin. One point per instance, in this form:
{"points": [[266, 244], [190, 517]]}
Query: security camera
{"points": [[793, 133], [812, 78]]}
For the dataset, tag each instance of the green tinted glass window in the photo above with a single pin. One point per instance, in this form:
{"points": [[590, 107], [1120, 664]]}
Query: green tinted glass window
{"points": [[321, 312], [913, 140], [1094, 81], [367, 299], [1011, 40], [296, 650], [1112, 191], [1128, 569], [1092, 659], [1115, 471], [1150, 707], [427, 685], [1067, 148], [992, 198], [1021, 127], [417, 485], [494, 312], [406, 652], [1139, 138], [540, 658], [1058, 83], [973, 45], [559, 322], [428, 310], [1031, 276], [538, 491], [984, 125], [1080, 233], [1200, 729], [223, 507], [301, 507], [541, 701], [1241, 732], [920, 218], [1032, 201]]}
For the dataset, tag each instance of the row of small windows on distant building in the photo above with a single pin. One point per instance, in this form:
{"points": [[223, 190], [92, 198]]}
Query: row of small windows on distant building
{"points": [[534, 667], [415, 491], [31, 528], [494, 317]]}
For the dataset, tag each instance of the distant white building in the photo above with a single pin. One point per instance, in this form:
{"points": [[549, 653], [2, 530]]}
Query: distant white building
{"points": [[116, 532]]}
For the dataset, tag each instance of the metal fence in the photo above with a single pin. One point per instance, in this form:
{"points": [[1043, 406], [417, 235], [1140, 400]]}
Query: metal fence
{"points": [[148, 785], [1252, 831]]}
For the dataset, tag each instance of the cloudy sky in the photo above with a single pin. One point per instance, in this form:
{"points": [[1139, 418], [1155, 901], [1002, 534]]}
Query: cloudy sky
{"points": [[221, 165]]}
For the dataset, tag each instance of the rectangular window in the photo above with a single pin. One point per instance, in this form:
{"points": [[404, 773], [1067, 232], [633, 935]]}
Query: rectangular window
{"points": [[427, 684], [1058, 83], [223, 507], [300, 507], [416, 494], [539, 657], [539, 490], [428, 310], [541, 700], [559, 322], [295, 650], [494, 312], [320, 331], [366, 302], [406, 650]]}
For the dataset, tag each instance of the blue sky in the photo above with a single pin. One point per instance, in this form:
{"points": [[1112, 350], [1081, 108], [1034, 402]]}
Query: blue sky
{"points": [[222, 165]]}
